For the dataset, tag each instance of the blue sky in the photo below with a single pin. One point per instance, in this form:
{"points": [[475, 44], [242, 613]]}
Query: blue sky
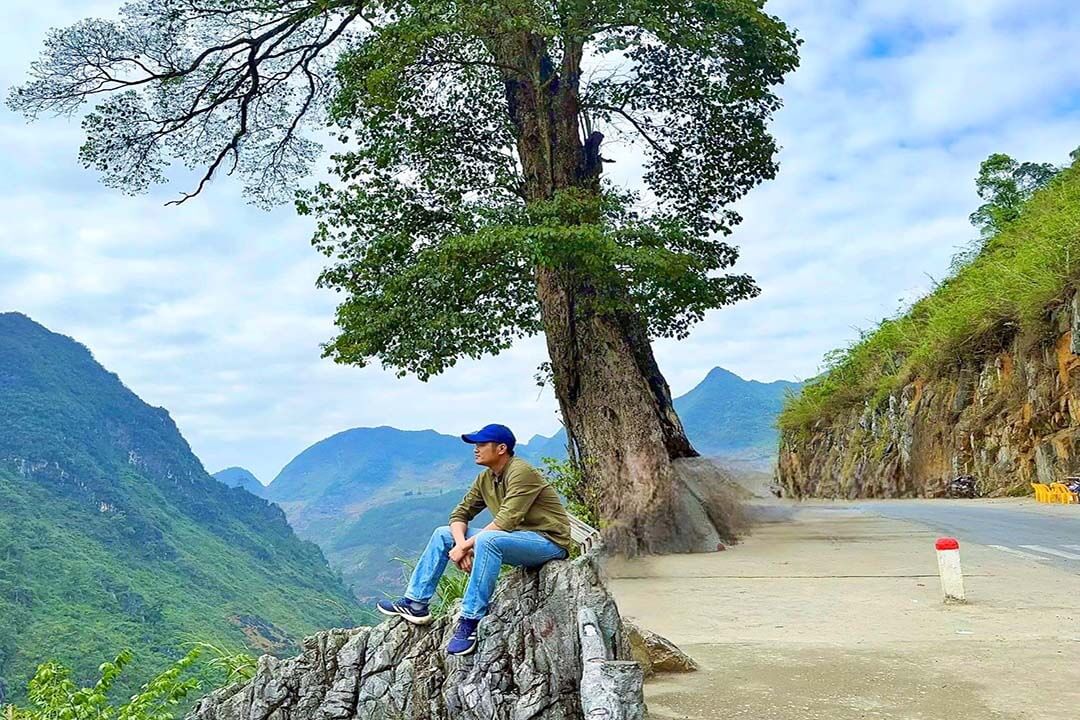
{"points": [[210, 309]]}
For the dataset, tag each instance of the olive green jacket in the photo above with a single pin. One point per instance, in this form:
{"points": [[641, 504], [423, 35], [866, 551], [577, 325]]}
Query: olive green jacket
{"points": [[519, 499]]}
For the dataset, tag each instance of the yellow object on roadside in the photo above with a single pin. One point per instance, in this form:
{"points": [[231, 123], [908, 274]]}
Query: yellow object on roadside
{"points": [[1062, 494], [1055, 493]]}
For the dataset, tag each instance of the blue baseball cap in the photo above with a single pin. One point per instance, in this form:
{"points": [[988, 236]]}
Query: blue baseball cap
{"points": [[491, 433]]}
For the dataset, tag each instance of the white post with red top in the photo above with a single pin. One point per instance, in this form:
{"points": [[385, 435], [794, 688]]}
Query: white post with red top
{"points": [[952, 577]]}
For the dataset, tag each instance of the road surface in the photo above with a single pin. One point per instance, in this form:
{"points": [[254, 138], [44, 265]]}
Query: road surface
{"points": [[1044, 533], [833, 611]]}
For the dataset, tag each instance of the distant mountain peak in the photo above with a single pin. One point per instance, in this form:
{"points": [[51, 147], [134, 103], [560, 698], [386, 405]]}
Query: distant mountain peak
{"points": [[240, 477], [725, 413], [347, 466], [235, 470], [719, 374]]}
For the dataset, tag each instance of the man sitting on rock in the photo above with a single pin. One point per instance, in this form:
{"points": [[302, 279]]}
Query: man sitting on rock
{"points": [[530, 528]]}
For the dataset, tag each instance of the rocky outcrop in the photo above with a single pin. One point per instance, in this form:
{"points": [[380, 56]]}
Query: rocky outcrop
{"points": [[610, 689], [528, 665], [655, 653], [705, 514], [1007, 418]]}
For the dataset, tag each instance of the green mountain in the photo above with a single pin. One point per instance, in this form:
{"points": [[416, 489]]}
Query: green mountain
{"points": [[239, 477], [724, 416], [357, 476], [354, 470], [370, 495], [113, 535], [728, 417]]}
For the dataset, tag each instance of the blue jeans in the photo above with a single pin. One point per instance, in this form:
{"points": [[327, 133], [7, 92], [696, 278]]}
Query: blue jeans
{"points": [[493, 548]]}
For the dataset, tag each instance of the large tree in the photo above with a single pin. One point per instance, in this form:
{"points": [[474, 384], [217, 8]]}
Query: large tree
{"points": [[470, 205]]}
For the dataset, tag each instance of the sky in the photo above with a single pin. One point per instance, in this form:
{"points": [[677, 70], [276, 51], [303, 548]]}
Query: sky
{"points": [[210, 309]]}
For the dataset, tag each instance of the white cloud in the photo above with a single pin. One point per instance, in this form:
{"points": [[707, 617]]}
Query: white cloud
{"points": [[210, 309]]}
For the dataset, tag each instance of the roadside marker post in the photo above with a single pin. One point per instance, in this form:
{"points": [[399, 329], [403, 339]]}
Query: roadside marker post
{"points": [[952, 577]]}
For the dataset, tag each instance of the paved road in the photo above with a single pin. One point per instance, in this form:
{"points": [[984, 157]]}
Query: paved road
{"points": [[830, 611], [1050, 535]]}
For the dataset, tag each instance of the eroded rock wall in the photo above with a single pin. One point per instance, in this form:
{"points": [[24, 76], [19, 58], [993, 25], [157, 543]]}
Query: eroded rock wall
{"points": [[1008, 419], [527, 666]]}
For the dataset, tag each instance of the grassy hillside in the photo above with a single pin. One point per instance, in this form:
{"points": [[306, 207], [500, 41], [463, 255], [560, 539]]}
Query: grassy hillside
{"points": [[1027, 268], [113, 535]]}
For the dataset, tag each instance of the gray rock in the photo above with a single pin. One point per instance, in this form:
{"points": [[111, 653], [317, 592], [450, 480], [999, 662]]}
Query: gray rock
{"points": [[610, 689], [528, 665], [1045, 466], [1074, 325], [655, 653], [707, 506]]}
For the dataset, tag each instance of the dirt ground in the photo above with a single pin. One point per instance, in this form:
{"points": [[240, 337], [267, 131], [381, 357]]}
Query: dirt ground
{"points": [[833, 614]]}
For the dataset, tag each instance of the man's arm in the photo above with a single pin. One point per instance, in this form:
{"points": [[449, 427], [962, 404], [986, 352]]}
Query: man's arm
{"points": [[466, 510], [521, 491], [468, 544], [462, 552]]}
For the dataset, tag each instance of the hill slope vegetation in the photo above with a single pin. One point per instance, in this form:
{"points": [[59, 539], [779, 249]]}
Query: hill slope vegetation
{"points": [[979, 377], [113, 535]]}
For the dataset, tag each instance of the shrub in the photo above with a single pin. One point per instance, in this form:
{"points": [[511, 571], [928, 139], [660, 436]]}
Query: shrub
{"points": [[568, 479], [54, 695]]}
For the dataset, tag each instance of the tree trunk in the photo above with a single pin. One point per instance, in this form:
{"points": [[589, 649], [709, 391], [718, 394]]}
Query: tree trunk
{"points": [[615, 403]]}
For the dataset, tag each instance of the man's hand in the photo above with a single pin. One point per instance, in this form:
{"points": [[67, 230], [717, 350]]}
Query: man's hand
{"points": [[458, 553], [462, 556], [464, 565]]}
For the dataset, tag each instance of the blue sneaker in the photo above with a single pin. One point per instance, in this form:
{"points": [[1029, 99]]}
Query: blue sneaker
{"points": [[415, 612], [464, 640]]}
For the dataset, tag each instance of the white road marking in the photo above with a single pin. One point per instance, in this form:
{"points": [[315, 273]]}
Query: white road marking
{"points": [[1014, 551], [1052, 551]]}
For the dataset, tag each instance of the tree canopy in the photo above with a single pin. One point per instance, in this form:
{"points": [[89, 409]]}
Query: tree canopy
{"points": [[430, 226], [1004, 185], [433, 233]]}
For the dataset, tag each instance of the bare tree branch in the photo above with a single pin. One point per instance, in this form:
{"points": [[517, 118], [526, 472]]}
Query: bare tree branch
{"points": [[259, 74]]}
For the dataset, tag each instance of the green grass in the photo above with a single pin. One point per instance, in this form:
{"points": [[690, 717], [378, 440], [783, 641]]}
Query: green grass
{"points": [[1006, 291]]}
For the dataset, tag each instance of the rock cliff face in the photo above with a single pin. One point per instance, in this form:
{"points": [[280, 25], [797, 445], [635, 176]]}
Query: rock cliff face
{"points": [[1008, 418], [528, 665]]}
